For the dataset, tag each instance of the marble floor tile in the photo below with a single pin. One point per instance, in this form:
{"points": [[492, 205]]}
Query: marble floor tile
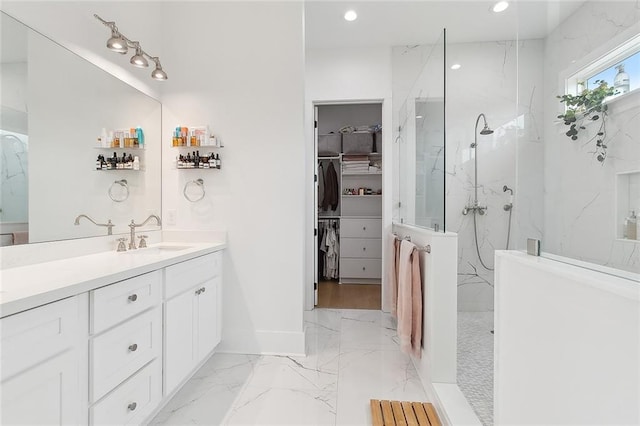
{"points": [[206, 397], [271, 406], [352, 357]]}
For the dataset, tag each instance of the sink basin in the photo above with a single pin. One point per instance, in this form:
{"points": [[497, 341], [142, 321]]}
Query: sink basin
{"points": [[158, 249]]}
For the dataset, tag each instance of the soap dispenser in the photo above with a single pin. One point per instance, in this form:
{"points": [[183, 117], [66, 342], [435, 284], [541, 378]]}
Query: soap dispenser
{"points": [[621, 81]]}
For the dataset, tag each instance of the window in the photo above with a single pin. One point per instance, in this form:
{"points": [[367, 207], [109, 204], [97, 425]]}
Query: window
{"points": [[626, 56]]}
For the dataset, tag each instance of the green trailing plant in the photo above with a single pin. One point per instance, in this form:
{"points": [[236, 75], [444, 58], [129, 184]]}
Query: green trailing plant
{"points": [[585, 107]]}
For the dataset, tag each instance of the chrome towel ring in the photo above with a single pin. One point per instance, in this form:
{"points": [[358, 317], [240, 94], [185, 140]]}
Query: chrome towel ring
{"points": [[120, 197], [199, 184]]}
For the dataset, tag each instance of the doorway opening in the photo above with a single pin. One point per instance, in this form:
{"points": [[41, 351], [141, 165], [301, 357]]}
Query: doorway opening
{"points": [[348, 206]]}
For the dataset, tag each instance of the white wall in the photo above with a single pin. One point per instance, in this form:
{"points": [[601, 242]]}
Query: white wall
{"points": [[72, 25], [339, 76], [580, 192], [567, 344], [239, 68]]}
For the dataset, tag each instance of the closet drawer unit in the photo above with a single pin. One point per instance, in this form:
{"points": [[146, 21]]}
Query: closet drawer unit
{"points": [[182, 276], [133, 401], [117, 302], [360, 268], [121, 351], [30, 337], [361, 248], [360, 228]]}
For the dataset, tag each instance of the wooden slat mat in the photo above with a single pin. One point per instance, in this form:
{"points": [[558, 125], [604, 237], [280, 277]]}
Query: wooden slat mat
{"points": [[403, 413]]}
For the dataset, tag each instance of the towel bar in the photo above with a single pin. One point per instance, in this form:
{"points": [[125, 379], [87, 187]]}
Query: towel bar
{"points": [[426, 249]]}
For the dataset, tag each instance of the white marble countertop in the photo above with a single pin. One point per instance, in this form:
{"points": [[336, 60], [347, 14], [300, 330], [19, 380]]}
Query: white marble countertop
{"points": [[27, 287]]}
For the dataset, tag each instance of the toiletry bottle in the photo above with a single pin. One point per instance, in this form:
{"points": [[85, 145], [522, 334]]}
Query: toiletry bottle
{"points": [[218, 162], [136, 163], [103, 138], [140, 136], [99, 163], [621, 80]]}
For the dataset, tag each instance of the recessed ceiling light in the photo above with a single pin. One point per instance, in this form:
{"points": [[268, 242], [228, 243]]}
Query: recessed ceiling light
{"points": [[351, 15], [501, 6], [456, 66]]}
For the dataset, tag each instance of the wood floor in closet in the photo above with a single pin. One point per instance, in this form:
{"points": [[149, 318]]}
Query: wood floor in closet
{"points": [[349, 296]]}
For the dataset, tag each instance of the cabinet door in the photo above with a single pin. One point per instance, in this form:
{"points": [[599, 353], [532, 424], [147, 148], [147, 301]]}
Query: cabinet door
{"points": [[47, 394], [208, 329], [180, 342]]}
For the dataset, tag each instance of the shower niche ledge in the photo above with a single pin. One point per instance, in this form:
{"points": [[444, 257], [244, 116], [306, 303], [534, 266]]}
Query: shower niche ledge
{"points": [[627, 201]]}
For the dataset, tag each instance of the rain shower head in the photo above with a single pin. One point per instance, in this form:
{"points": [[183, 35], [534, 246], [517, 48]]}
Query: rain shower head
{"points": [[486, 130]]}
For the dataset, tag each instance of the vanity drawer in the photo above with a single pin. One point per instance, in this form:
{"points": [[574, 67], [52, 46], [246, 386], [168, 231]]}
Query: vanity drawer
{"points": [[32, 336], [361, 228], [360, 268], [123, 350], [182, 276], [361, 248], [133, 401], [117, 302]]}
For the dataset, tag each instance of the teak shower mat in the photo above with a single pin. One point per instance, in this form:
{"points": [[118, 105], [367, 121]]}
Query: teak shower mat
{"points": [[401, 413]]}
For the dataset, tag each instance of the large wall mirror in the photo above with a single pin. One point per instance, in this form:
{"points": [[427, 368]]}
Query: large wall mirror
{"points": [[55, 106]]}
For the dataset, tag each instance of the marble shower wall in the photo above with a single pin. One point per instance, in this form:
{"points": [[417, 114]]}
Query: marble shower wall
{"points": [[14, 178], [580, 192], [503, 80]]}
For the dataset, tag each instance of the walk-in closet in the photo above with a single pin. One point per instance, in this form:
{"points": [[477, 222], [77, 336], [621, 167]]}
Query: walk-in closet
{"points": [[348, 258]]}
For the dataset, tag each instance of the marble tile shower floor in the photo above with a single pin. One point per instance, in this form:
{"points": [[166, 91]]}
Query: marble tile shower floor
{"points": [[475, 362], [352, 357]]}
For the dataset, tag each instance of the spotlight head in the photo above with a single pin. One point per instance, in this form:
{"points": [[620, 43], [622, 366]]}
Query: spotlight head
{"points": [[138, 60], [117, 43], [158, 73]]}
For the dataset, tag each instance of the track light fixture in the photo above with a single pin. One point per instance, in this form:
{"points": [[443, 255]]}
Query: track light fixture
{"points": [[119, 43]]}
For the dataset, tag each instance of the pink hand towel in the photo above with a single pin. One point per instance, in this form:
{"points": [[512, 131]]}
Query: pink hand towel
{"points": [[409, 300]]}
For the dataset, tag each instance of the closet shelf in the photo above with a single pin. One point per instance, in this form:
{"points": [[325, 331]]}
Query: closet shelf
{"points": [[329, 158], [362, 174], [362, 196]]}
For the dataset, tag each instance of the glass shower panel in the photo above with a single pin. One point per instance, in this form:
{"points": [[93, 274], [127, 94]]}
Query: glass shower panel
{"points": [[422, 143]]}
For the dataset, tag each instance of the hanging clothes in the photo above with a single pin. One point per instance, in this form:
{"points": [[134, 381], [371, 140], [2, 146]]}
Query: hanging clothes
{"points": [[332, 252], [331, 195], [328, 249]]}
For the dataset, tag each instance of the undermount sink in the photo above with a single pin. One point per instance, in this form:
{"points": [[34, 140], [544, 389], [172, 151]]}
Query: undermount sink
{"points": [[158, 249]]}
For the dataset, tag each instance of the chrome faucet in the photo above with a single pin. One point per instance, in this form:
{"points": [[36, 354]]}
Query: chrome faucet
{"points": [[133, 226], [109, 224]]}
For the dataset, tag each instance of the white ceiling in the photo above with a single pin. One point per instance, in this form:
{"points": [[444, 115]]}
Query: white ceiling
{"points": [[399, 23]]}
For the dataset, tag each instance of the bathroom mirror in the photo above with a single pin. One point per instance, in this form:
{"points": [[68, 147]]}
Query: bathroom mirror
{"points": [[54, 107]]}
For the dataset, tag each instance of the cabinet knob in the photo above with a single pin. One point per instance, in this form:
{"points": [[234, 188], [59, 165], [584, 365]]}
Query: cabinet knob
{"points": [[132, 406], [363, 268], [133, 297], [203, 289], [364, 249], [133, 347], [364, 228]]}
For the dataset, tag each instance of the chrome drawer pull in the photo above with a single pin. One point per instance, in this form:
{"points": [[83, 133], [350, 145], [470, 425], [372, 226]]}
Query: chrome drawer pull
{"points": [[132, 406], [133, 297], [133, 347]]}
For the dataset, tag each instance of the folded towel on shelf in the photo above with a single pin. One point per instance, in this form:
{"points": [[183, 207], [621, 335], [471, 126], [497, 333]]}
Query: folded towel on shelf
{"points": [[409, 309]]}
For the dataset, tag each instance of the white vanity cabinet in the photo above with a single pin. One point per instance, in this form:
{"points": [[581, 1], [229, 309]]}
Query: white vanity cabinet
{"points": [[41, 357], [111, 354], [192, 316]]}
